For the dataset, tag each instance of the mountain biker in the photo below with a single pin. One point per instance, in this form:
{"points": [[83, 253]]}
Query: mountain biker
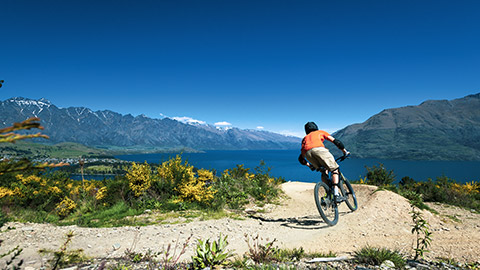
{"points": [[315, 152]]}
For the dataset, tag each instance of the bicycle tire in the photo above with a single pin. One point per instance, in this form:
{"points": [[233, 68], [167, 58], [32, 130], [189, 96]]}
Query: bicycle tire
{"points": [[326, 206], [348, 192]]}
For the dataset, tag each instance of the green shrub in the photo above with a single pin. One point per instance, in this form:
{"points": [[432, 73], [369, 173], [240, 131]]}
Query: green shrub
{"points": [[379, 176], [414, 198], [230, 192], [238, 186], [289, 255], [376, 256], [407, 182], [447, 190]]}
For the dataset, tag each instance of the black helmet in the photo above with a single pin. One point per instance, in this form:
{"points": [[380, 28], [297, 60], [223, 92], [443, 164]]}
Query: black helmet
{"points": [[310, 126]]}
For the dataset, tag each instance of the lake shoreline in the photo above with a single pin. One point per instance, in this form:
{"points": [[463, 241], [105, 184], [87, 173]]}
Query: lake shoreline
{"points": [[284, 163]]}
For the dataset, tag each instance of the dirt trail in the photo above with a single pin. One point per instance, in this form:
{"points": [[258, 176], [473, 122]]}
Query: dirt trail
{"points": [[382, 220]]}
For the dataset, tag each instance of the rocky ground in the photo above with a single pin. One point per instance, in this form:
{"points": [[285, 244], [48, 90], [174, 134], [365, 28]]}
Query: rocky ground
{"points": [[382, 220]]}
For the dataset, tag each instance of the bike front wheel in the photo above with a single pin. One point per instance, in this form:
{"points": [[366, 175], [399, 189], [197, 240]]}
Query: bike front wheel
{"points": [[325, 203], [349, 194]]}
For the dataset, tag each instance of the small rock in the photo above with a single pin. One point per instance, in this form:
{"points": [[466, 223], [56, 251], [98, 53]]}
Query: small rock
{"points": [[89, 246], [27, 229], [387, 265], [418, 265], [99, 235], [29, 268], [71, 268], [116, 246], [147, 211]]}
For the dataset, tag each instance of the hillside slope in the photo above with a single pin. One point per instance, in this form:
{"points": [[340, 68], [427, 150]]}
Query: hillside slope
{"points": [[109, 129], [433, 130]]}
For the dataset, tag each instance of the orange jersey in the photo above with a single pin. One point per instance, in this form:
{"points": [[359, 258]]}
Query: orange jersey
{"points": [[314, 139]]}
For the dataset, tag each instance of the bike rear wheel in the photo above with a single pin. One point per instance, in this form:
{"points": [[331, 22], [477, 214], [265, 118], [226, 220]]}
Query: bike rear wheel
{"points": [[325, 203], [348, 193]]}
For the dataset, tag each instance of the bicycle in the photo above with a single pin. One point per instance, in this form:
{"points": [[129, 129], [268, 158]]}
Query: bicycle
{"points": [[325, 199]]}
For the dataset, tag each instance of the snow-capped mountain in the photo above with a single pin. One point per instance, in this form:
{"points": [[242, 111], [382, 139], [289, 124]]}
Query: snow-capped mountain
{"points": [[107, 128]]}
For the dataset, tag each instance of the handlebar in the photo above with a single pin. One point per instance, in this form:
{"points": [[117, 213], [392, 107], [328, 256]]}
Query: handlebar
{"points": [[342, 158]]}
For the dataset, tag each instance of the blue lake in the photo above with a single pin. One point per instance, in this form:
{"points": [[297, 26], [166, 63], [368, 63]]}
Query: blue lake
{"points": [[284, 163]]}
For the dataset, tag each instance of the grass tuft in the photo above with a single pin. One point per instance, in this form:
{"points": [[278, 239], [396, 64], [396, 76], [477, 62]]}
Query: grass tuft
{"points": [[376, 256]]}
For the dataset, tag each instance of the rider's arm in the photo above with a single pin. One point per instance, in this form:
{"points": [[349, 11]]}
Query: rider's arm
{"points": [[302, 160], [338, 144]]}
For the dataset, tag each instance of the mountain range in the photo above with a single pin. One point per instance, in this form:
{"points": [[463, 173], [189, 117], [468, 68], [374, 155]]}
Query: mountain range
{"points": [[111, 130], [433, 130]]}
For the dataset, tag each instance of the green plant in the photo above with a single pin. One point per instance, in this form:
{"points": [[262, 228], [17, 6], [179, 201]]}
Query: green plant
{"points": [[376, 256], [169, 260], [379, 176], [407, 182], [289, 255], [64, 257], [211, 253], [414, 198], [320, 254], [237, 187], [422, 232], [258, 252]]}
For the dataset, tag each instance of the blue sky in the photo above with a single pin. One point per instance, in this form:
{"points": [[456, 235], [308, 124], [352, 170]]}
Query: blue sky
{"points": [[268, 64]]}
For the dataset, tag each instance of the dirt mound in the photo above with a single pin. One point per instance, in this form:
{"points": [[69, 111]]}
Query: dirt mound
{"points": [[382, 220]]}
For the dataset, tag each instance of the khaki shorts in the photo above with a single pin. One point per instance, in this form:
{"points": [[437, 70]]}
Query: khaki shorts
{"points": [[321, 157]]}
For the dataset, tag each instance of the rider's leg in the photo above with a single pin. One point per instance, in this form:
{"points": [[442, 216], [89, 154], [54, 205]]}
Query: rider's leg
{"points": [[335, 179], [325, 178]]}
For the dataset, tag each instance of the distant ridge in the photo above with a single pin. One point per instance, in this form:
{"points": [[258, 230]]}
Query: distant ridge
{"points": [[108, 129], [433, 130]]}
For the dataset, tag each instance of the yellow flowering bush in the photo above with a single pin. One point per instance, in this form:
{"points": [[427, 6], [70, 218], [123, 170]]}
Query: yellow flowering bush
{"points": [[195, 189], [180, 178], [175, 171], [139, 178], [101, 194], [35, 189], [249, 176], [6, 192], [468, 188], [65, 207]]}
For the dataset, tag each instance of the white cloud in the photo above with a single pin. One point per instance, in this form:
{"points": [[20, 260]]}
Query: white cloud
{"points": [[224, 123], [260, 127], [189, 120]]}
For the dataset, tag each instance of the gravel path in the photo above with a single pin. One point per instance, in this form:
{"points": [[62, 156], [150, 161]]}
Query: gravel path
{"points": [[382, 220]]}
